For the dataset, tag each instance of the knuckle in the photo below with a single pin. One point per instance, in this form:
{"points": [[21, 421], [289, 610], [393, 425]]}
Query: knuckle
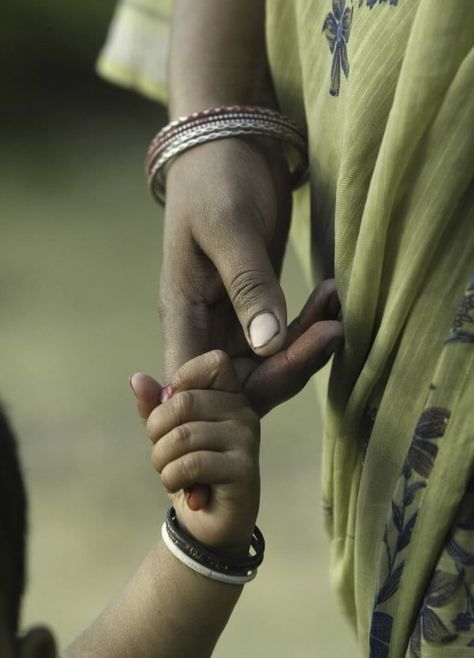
{"points": [[218, 360], [226, 213], [181, 436], [168, 295], [246, 287], [251, 421], [168, 478], [189, 467], [183, 405], [151, 427], [156, 460]]}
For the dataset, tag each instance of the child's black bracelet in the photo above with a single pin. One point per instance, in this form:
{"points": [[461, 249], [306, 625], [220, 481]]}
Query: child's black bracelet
{"points": [[200, 558]]}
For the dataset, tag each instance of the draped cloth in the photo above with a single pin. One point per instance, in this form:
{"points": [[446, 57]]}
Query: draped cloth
{"points": [[385, 90]]}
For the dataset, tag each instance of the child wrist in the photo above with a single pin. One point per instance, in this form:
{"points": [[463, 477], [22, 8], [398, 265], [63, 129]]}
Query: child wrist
{"points": [[235, 566]]}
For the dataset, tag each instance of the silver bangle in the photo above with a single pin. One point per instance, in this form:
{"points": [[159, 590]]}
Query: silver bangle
{"points": [[201, 569], [220, 123]]}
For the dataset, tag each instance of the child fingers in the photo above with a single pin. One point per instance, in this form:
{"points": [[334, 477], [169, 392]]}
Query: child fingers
{"points": [[204, 467], [188, 406], [322, 304], [213, 370], [286, 373], [190, 437], [147, 392]]}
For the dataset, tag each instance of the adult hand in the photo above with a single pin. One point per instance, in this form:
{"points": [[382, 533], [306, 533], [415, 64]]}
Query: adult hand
{"points": [[312, 338], [227, 217]]}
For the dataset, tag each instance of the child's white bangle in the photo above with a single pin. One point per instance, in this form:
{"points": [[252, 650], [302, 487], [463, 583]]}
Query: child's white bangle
{"points": [[201, 569]]}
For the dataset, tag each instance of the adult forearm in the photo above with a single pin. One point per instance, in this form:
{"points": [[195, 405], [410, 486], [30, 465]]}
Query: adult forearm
{"points": [[218, 55], [165, 610]]}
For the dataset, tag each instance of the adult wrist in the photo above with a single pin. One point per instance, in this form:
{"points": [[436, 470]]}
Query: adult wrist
{"points": [[217, 123]]}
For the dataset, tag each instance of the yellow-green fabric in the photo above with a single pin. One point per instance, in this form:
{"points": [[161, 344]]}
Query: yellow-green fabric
{"points": [[386, 92], [385, 88], [136, 50]]}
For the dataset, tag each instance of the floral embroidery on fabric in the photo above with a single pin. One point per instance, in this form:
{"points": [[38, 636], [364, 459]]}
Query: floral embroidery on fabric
{"points": [[401, 523], [337, 28], [372, 3], [447, 612], [463, 326]]}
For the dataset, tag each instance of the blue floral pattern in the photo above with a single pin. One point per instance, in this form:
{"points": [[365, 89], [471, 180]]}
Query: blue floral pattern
{"points": [[372, 3], [463, 325], [447, 612], [337, 29], [402, 520]]}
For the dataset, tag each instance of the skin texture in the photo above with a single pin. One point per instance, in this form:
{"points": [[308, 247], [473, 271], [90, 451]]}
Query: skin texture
{"points": [[228, 202], [206, 431], [311, 339]]}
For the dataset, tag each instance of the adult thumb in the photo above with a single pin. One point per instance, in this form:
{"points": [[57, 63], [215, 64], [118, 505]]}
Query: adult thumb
{"points": [[254, 291]]}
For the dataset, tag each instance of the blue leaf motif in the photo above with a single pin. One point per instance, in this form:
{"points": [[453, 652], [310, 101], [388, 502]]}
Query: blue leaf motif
{"points": [[338, 8], [335, 72], [459, 554], [434, 631], [422, 453], [443, 587], [391, 584], [397, 516], [421, 456], [337, 30], [405, 536], [344, 58], [411, 492], [330, 31], [347, 23], [432, 423], [380, 634]]}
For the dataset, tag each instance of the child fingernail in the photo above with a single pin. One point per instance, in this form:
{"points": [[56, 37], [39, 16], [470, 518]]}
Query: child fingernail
{"points": [[166, 393], [131, 383], [262, 329]]}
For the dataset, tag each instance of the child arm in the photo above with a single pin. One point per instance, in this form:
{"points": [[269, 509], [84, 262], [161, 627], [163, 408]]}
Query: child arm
{"points": [[206, 433]]}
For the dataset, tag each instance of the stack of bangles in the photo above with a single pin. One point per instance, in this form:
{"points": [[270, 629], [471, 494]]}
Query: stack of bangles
{"points": [[201, 559], [219, 123]]}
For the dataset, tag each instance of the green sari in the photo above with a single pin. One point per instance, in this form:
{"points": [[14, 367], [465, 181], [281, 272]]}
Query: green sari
{"points": [[385, 89]]}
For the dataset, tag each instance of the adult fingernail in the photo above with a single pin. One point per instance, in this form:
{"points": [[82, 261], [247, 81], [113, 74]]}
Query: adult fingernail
{"points": [[166, 393], [262, 329]]}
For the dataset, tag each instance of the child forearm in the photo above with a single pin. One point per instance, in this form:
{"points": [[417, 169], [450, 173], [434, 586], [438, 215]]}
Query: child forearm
{"points": [[218, 55], [166, 610]]}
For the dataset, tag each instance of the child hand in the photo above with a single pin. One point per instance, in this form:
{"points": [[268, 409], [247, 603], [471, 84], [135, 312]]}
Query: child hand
{"points": [[206, 432]]}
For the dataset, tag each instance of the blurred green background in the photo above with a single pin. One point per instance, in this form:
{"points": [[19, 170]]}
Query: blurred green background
{"points": [[79, 265]]}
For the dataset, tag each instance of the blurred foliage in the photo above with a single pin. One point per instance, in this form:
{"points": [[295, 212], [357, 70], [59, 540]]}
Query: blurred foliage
{"points": [[48, 49]]}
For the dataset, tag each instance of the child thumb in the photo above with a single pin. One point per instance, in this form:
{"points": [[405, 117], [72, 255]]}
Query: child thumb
{"points": [[147, 392]]}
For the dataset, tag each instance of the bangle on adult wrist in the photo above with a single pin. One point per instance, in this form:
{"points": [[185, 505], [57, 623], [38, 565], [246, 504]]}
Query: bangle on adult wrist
{"points": [[207, 562], [220, 123]]}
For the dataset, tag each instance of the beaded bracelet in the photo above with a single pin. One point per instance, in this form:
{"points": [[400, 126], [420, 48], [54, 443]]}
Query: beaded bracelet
{"points": [[201, 559], [220, 123]]}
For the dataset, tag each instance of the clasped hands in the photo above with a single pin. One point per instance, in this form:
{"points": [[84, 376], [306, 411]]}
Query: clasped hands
{"points": [[230, 357]]}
